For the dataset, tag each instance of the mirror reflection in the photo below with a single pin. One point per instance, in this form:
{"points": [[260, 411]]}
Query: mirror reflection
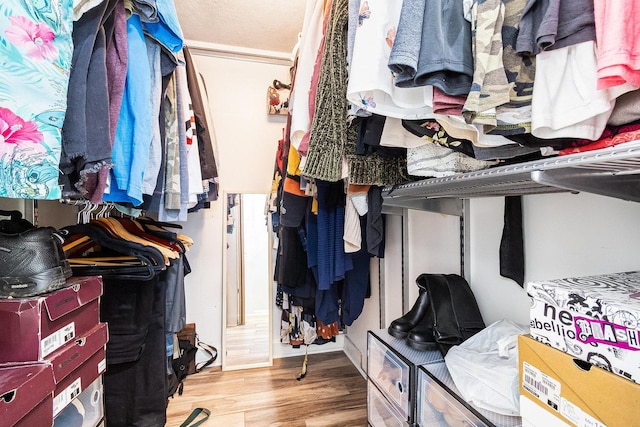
{"points": [[248, 283]]}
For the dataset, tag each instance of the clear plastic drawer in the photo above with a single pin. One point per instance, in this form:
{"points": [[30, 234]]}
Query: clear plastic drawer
{"points": [[437, 407], [434, 381], [380, 412], [86, 410], [390, 374], [393, 366]]}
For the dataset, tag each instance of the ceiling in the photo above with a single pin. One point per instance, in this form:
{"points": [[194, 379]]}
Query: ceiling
{"points": [[271, 25]]}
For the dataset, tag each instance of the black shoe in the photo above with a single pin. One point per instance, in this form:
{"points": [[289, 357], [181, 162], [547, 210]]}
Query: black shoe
{"points": [[400, 327], [15, 223], [32, 263], [421, 337], [454, 313]]}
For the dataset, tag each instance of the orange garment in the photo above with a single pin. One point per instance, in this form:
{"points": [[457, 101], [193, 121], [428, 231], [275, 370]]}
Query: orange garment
{"points": [[292, 186]]}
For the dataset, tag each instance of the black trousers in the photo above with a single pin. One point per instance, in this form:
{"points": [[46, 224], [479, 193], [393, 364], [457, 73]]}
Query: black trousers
{"points": [[135, 389]]}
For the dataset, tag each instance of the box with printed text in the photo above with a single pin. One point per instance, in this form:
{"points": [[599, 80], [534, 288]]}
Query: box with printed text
{"points": [[576, 392], [593, 318], [26, 394], [35, 327]]}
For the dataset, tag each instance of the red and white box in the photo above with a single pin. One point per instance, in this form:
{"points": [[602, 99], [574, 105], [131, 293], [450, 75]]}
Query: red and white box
{"points": [[77, 381], [26, 394], [594, 318], [76, 353], [33, 328]]}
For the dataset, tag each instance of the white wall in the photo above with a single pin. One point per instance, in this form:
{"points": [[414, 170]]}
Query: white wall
{"points": [[565, 235], [433, 247], [247, 140]]}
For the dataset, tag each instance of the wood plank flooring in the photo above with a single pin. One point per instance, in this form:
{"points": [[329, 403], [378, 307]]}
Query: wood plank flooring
{"points": [[332, 394], [248, 344]]}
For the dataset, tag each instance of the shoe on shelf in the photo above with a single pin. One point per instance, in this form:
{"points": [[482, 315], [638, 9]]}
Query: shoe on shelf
{"points": [[32, 262], [400, 327], [14, 223], [421, 337], [453, 316]]}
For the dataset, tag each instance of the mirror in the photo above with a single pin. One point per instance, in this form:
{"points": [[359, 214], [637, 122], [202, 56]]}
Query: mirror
{"points": [[247, 284]]}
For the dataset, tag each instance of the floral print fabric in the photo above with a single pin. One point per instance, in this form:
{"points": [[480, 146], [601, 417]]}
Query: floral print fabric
{"points": [[36, 49]]}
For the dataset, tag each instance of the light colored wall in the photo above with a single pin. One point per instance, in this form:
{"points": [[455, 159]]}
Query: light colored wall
{"points": [[565, 235], [247, 140]]}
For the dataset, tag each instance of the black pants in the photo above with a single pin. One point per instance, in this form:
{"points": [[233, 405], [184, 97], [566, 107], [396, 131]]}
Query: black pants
{"points": [[135, 389]]}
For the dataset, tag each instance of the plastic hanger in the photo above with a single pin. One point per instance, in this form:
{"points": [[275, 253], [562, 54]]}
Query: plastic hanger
{"points": [[134, 228], [109, 256], [116, 229]]}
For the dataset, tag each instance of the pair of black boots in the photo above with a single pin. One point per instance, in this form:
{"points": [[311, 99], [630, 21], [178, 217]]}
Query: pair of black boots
{"points": [[445, 314]]}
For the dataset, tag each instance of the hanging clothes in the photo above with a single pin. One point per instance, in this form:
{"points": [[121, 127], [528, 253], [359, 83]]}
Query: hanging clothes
{"points": [[86, 131], [371, 84], [133, 139], [204, 126], [142, 303], [37, 45], [432, 47], [329, 126], [617, 29], [312, 34]]}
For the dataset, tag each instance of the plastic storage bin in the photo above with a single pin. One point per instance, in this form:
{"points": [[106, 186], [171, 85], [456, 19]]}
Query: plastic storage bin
{"points": [[392, 367], [380, 412], [86, 410], [439, 404]]}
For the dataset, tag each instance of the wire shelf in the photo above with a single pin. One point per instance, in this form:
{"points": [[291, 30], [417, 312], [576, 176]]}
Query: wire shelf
{"points": [[613, 171]]}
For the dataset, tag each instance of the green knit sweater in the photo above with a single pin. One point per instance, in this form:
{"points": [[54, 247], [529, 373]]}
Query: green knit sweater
{"points": [[331, 138]]}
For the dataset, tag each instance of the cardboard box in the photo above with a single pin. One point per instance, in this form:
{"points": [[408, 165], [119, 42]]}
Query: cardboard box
{"points": [[34, 328], [26, 395], [73, 355], [596, 319], [577, 392], [75, 383], [535, 415]]}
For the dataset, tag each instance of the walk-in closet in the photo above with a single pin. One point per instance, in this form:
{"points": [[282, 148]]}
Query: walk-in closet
{"points": [[319, 213]]}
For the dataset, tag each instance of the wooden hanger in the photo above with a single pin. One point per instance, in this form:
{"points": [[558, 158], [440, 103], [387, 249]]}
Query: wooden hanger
{"points": [[116, 229], [91, 250], [135, 228]]}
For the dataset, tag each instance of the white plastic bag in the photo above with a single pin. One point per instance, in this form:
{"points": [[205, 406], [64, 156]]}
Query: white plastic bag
{"points": [[484, 368]]}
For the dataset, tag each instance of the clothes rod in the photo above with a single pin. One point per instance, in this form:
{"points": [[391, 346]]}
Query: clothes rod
{"points": [[238, 52]]}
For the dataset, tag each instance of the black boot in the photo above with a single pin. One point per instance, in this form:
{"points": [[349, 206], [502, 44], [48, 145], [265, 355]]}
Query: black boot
{"points": [[453, 313], [400, 327], [421, 337]]}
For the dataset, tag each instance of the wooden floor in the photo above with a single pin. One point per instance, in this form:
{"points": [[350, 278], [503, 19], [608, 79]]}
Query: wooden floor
{"points": [[248, 344], [333, 393]]}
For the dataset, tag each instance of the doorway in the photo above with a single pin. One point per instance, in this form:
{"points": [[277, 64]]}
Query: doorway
{"points": [[247, 283]]}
